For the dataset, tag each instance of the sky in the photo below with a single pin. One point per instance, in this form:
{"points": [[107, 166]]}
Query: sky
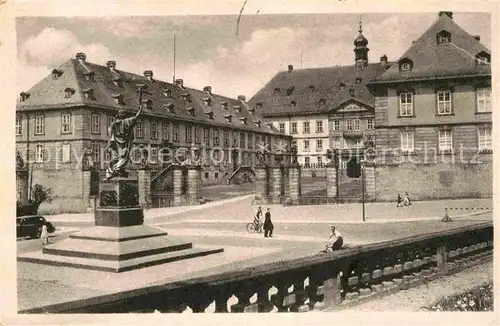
{"points": [[209, 51]]}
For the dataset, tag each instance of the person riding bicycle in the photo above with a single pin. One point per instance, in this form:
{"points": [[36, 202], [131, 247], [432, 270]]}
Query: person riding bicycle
{"points": [[335, 240], [258, 216]]}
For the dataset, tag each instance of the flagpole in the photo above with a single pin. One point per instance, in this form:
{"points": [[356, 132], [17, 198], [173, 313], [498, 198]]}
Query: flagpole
{"points": [[173, 80]]}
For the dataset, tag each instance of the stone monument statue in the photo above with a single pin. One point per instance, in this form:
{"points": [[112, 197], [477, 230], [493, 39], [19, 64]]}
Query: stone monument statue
{"points": [[121, 133], [293, 153]]}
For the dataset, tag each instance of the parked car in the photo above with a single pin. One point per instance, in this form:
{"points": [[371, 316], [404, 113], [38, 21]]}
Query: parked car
{"points": [[31, 226]]}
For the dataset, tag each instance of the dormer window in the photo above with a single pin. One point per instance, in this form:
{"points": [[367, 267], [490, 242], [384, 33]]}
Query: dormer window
{"points": [[223, 105], [237, 108], [207, 101], [90, 76], [311, 88], [210, 114], [243, 120], [118, 82], [88, 94], [289, 91], [147, 104], [68, 92], [257, 123], [443, 37], [358, 80], [277, 90], [190, 111], [269, 124], [228, 117], [341, 86], [352, 92], [208, 90], [170, 107], [405, 65], [482, 58], [118, 98], [167, 92], [293, 104], [24, 96], [322, 102], [258, 106], [186, 97], [56, 73]]}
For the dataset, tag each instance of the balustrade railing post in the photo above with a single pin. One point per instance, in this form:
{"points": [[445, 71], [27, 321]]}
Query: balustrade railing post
{"points": [[441, 259], [221, 302], [332, 291]]}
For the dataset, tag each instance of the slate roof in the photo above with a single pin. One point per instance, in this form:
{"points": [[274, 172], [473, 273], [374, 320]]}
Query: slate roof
{"points": [[433, 60], [306, 87], [50, 93]]}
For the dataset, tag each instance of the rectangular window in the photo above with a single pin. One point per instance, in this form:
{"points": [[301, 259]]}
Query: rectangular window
{"points": [[282, 127], [307, 129], [139, 132], [349, 124], [111, 119], [320, 160], [96, 152], [293, 128], [307, 161], [176, 132], [189, 134], [485, 139], [216, 137], [95, 123], [234, 139], [336, 142], [206, 136], [154, 154], [483, 96], [306, 145], [226, 139], [406, 104], [407, 141], [154, 130], [444, 102], [250, 141], [319, 126], [336, 125], [319, 145], [445, 140], [66, 153], [18, 125], [39, 124], [356, 124], [39, 153], [66, 123], [242, 140], [197, 135], [166, 131], [369, 123]]}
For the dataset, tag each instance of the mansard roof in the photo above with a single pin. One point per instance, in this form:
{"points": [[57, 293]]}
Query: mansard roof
{"points": [[50, 94]]}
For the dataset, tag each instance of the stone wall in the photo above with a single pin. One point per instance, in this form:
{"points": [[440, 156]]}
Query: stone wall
{"points": [[434, 181]]}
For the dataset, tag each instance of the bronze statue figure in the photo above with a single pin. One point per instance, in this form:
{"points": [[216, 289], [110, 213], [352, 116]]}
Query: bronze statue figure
{"points": [[121, 134]]}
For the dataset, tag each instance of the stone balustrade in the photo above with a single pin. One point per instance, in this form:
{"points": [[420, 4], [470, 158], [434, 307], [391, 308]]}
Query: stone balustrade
{"points": [[316, 282]]}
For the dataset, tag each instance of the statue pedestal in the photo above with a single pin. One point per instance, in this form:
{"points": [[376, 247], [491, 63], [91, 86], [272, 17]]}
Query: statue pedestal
{"points": [[119, 241]]}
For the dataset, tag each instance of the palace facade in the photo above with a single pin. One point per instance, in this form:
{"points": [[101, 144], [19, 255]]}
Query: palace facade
{"points": [[62, 122]]}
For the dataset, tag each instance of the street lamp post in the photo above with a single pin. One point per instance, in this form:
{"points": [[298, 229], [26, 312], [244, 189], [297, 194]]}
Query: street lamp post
{"points": [[363, 161]]}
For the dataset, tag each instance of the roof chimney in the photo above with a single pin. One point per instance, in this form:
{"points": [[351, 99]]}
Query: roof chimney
{"points": [[477, 37], [290, 68], [383, 59], [208, 89], [447, 13], [179, 82], [111, 65], [81, 57], [149, 75], [242, 98]]}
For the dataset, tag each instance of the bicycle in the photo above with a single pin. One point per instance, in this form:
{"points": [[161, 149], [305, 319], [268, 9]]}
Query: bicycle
{"points": [[255, 227], [328, 250]]}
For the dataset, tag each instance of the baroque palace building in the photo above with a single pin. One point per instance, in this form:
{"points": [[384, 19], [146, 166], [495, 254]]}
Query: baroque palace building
{"points": [[62, 123], [321, 108], [433, 118]]}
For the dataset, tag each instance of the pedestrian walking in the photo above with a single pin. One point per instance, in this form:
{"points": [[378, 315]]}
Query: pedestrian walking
{"points": [[44, 235], [400, 201], [268, 224], [407, 201]]}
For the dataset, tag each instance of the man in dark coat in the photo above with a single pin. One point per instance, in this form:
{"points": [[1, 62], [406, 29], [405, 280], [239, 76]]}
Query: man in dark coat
{"points": [[268, 225]]}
